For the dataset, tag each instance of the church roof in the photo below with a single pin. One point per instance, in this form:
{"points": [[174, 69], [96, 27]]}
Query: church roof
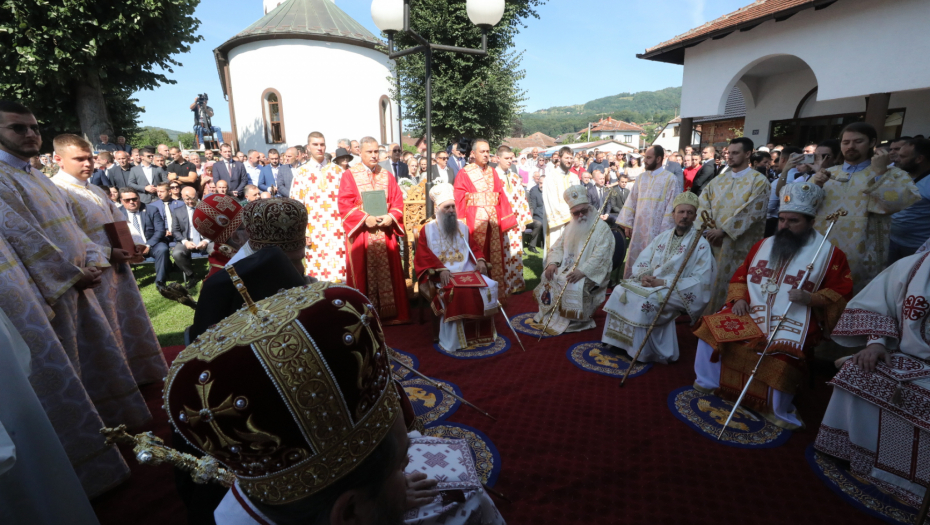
{"points": [[743, 19], [300, 19]]}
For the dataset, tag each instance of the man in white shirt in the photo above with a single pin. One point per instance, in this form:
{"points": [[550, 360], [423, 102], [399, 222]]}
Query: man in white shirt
{"points": [[253, 167], [148, 230], [146, 176], [187, 237]]}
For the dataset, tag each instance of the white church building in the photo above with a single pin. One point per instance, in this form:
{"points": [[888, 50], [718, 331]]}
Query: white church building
{"points": [[806, 68], [305, 66]]}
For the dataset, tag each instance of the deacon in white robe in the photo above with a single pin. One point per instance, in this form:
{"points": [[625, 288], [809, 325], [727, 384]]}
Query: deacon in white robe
{"points": [[33, 463], [633, 306], [877, 418], [118, 293], [585, 285], [558, 180], [648, 211], [450, 261]]}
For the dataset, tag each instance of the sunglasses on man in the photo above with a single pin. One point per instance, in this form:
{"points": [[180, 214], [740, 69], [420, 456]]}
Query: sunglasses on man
{"points": [[132, 199]]}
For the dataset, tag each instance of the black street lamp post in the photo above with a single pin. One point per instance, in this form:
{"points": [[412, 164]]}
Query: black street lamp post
{"points": [[483, 13]]}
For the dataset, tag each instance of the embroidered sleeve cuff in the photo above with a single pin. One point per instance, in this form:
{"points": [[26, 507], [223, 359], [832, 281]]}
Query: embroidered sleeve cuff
{"points": [[737, 291]]}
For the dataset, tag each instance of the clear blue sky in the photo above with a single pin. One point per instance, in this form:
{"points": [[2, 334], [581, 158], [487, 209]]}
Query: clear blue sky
{"points": [[577, 51]]}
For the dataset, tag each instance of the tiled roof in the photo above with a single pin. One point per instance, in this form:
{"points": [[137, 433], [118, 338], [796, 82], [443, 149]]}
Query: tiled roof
{"points": [[744, 19], [536, 140], [609, 124], [321, 18]]}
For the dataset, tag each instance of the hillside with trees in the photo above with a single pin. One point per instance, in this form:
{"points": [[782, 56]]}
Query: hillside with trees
{"points": [[645, 107]]}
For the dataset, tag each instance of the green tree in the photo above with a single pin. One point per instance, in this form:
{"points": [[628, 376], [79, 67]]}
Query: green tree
{"points": [[474, 96], [188, 139], [75, 63], [152, 137]]}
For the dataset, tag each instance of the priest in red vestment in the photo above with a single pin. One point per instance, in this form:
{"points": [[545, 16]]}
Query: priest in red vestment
{"points": [[763, 288], [450, 260], [480, 199], [373, 264]]}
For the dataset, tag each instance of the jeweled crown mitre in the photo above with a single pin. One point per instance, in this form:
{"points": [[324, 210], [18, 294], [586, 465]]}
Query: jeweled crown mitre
{"points": [[801, 197], [290, 393]]}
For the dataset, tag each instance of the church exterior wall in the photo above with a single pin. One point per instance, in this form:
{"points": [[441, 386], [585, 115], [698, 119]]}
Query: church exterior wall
{"points": [[847, 45], [329, 87]]}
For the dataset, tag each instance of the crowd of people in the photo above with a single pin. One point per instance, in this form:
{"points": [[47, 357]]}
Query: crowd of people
{"points": [[648, 236]]}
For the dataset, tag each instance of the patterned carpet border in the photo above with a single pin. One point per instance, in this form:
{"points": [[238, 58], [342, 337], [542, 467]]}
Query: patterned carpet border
{"points": [[487, 458], [706, 413], [499, 346], [399, 372], [521, 323], [859, 492], [431, 404], [590, 356]]}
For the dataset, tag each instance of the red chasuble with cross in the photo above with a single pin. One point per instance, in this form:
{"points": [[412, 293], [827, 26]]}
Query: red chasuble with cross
{"points": [[373, 264], [765, 286], [480, 198]]}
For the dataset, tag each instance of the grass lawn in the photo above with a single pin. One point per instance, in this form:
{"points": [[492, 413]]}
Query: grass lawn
{"points": [[170, 318]]}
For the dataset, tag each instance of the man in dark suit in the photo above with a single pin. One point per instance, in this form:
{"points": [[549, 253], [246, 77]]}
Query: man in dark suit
{"points": [[456, 162], [534, 198], [164, 205], [395, 165], [145, 177], [187, 237], [99, 177], [118, 173], [442, 171], [275, 177], [232, 171], [707, 172], [616, 200], [148, 230]]}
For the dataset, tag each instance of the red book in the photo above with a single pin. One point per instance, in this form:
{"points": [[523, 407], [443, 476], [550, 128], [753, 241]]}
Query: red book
{"points": [[470, 279], [121, 238]]}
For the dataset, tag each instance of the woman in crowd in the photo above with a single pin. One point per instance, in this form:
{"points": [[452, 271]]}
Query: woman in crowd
{"points": [[113, 192], [204, 179], [633, 169], [423, 167], [209, 188], [174, 189]]}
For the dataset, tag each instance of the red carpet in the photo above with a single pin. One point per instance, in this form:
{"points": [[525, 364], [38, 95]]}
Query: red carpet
{"points": [[576, 448]]}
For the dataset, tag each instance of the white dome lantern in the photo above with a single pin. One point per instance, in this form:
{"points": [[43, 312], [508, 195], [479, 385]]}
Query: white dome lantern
{"points": [[388, 15], [485, 13]]}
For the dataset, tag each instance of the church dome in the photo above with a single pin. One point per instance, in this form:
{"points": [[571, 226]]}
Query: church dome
{"points": [[307, 19]]}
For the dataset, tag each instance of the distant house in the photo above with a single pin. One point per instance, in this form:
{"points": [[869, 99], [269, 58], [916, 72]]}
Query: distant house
{"points": [[790, 62], [669, 137], [537, 140], [622, 132], [607, 146]]}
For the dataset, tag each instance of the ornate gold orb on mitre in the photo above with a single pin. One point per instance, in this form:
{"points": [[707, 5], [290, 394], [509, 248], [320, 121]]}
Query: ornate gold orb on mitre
{"points": [[289, 394]]}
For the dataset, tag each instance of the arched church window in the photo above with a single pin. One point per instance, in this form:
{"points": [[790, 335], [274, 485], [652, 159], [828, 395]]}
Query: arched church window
{"points": [[273, 113], [384, 117]]}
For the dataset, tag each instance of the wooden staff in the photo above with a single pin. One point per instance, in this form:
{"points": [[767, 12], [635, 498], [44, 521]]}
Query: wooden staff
{"points": [[708, 223], [440, 387], [832, 218], [558, 300]]}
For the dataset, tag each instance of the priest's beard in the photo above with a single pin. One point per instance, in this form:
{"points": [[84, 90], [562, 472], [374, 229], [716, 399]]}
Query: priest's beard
{"points": [[787, 244], [449, 224], [576, 232]]}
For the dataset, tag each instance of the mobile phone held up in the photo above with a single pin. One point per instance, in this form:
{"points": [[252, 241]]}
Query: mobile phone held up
{"points": [[808, 158]]}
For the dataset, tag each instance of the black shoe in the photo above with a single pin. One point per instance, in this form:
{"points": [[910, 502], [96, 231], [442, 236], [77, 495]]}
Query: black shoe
{"points": [[533, 250], [192, 281], [160, 285]]}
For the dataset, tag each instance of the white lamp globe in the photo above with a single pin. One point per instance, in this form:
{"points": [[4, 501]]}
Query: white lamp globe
{"points": [[484, 12], [388, 15]]}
